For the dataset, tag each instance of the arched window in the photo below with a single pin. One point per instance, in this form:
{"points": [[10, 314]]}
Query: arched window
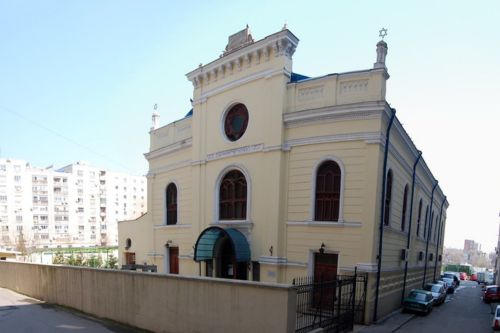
{"points": [[327, 196], [233, 196], [431, 221], [419, 217], [405, 202], [388, 196], [171, 198], [426, 219]]}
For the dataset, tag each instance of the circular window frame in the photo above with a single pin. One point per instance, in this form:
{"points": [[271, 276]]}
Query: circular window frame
{"points": [[231, 136]]}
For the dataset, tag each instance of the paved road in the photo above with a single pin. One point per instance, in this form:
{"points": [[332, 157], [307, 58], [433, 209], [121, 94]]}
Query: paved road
{"points": [[21, 314], [463, 311]]}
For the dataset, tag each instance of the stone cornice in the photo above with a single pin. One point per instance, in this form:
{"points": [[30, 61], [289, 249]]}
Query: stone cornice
{"points": [[366, 110], [366, 136], [282, 43], [169, 149]]}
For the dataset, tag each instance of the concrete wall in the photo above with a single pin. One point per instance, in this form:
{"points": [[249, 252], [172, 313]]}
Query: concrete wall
{"points": [[160, 303]]}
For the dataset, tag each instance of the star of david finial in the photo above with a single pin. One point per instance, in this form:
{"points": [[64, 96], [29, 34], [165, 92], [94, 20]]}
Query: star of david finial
{"points": [[382, 33]]}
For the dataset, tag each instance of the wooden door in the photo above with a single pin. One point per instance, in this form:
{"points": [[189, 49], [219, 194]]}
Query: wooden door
{"points": [[173, 260], [325, 276]]}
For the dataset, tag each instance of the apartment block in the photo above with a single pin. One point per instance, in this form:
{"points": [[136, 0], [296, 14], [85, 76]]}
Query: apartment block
{"points": [[77, 205]]}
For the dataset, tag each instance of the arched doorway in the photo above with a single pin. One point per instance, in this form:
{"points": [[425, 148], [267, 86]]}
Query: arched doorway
{"points": [[225, 251]]}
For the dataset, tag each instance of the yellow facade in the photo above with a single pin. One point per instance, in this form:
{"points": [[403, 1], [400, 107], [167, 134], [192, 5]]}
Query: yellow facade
{"points": [[294, 125]]}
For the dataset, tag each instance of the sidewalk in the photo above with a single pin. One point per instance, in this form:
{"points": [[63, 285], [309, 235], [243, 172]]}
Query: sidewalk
{"points": [[391, 323]]}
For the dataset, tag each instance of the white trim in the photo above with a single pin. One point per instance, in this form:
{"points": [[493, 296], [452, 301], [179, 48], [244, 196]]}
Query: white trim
{"points": [[173, 226], [235, 151], [168, 167], [277, 261], [342, 185], [222, 173], [369, 137], [325, 224], [233, 223], [176, 146], [364, 110]]}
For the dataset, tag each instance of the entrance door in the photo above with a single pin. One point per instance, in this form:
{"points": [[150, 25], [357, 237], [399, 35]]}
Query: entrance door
{"points": [[325, 276], [226, 265], [173, 260]]}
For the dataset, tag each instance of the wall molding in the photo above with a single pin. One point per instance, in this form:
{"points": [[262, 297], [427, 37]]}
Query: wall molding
{"points": [[169, 149]]}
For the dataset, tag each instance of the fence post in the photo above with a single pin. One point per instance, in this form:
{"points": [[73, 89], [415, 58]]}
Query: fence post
{"points": [[339, 302]]}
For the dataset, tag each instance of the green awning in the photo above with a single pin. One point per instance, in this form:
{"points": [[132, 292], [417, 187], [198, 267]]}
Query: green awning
{"points": [[204, 248]]}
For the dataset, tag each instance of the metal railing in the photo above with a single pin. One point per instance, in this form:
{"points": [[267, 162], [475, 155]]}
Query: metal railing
{"points": [[332, 305]]}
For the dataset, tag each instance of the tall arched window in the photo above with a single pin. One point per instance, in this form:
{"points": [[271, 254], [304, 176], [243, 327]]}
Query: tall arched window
{"points": [[426, 219], [388, 196], [171, 196], [327, 196], [419, 217], [403, 213], [233, 196], [431, 221]]}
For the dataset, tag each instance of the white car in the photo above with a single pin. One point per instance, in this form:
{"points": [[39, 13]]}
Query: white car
{"points": [[496, 319]]}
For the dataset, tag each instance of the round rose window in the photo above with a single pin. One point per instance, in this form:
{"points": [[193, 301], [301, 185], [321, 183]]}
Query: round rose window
{"points": [[236, 121]]}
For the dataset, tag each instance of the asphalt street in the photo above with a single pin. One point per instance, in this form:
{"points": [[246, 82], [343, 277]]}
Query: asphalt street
{"points": [[463, 312]]}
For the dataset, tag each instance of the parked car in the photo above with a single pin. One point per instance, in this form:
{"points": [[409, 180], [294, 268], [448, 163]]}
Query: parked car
{"points": [[451, 285], [492, 293], [473, 277], [443, 283], [496, 319], [463, 276], [489, 278], [418, 301], [452, 275], [481, 277], [438, 292]]}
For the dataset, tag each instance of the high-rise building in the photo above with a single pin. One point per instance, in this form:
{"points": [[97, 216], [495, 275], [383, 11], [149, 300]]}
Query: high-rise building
{"points": [[471, 246], [77, 205]]}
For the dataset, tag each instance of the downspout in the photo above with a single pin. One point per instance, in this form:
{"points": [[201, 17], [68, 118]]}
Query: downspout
{"points": [[429, 233], [439, 235], [382, 211], [409, 224]]}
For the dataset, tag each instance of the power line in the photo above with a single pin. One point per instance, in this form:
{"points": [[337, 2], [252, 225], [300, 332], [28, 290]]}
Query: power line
{"points": [[48, 129]]}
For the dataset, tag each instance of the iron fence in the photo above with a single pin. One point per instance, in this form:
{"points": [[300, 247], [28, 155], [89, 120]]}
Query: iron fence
{"points": [[334, 305]]}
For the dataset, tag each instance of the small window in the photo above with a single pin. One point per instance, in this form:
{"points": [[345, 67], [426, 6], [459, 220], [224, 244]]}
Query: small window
{"points": [[171, 196], [236, 122], [388, 196]]}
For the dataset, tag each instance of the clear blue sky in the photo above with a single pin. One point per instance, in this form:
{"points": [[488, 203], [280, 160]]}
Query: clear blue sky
{"points": [[78, 79]]}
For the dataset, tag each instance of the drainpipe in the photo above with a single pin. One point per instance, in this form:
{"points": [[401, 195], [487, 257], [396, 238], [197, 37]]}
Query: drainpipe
{"points": [[382, 211], [409, 224], [428, 233], [439, 235]]}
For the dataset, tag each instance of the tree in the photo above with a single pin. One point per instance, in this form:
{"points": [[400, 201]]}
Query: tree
{"points": [[112, 262], [94, 261], [21, 244], [58, 259]]}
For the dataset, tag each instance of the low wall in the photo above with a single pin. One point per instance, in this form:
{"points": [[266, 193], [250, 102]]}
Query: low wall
{"points": [[157, 302]]}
